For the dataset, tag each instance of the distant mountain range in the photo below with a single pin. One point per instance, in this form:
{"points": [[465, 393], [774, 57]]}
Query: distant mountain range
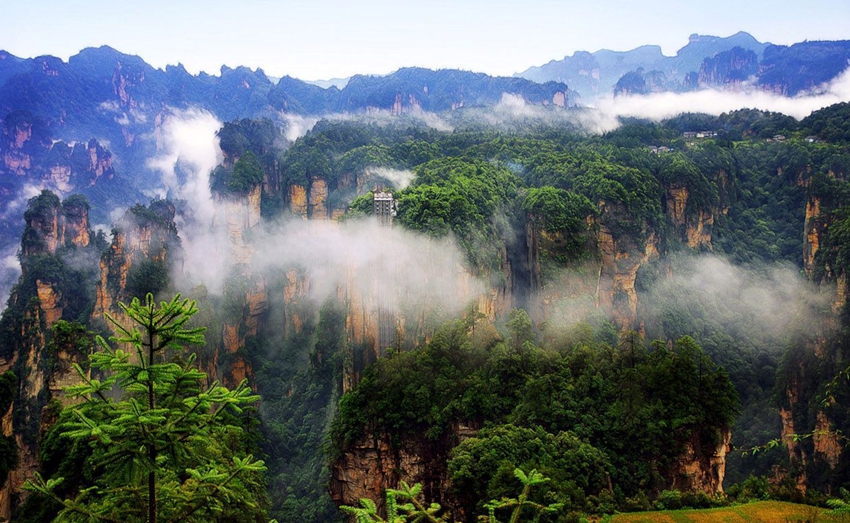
{"points": [[706, 61], [92, 124]]}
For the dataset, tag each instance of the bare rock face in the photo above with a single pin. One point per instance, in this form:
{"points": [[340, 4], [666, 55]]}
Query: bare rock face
{"points": [[620, 260], [144, 234], [317, 204], [373, 464], [694, 228], [76, 229], [100, 162], [248, 325], [51, 225], [699, 468], [814, 229], [241, 213], [49, 300], [298, 200], [17, 132]]}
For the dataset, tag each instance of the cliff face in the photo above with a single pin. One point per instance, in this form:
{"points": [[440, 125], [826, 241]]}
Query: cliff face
{"points": [[815, 359], [374, 464], [53, 226], [814, 229], [621, 255], [701, 467], [694, 227], [145, 234], [38, 303], [729, 68], [28, 152]]}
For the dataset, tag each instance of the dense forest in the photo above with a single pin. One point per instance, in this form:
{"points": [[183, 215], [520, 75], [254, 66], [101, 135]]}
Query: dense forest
{"points": [[646, 317]]}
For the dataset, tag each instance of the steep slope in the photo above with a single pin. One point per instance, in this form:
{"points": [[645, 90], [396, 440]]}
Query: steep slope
{"points": [[39, 340]]}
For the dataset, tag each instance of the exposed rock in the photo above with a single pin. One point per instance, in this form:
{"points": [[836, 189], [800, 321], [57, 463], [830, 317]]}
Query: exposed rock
{"points": [[555, 290], [142, 234], [49, 302], [677, 202], [318, 197], [699, 469], [698, 233], [52, 226], [620, 260], [826, 441], [695, 228], [373, 464], [814, 228], [298, 200], [241, 214], [728, 68]]}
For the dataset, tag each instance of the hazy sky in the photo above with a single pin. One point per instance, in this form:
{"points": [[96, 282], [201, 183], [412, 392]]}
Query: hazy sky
{"points": [[319, 39]]}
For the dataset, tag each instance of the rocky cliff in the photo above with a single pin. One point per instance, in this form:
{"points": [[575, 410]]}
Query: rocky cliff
{"points": [[807, 405], [56, 233], [377, 462], [729, 68], [701, 467], [144, 248]]}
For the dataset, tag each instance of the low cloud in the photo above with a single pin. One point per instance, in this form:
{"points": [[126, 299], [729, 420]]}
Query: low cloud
{"points": [[296, 126], [399, 179], [658, 106], [383, 267], [766, 306], [188, 151]]}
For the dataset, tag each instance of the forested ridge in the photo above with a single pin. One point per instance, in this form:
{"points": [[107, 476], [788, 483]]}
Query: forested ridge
{"points": [[642, 316]]}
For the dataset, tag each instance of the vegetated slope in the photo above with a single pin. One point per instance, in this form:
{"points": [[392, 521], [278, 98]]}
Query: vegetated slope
{"points": [[93, 124], [581, 233]]}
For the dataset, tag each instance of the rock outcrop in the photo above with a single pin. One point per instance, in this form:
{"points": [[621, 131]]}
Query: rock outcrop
{"points": [[145, 234], [701, 467], [39, 303], [375, 463], [620, 259]]}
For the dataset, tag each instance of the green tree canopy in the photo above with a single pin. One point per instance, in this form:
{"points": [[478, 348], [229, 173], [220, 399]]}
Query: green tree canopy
{"points": [[163, 444]]}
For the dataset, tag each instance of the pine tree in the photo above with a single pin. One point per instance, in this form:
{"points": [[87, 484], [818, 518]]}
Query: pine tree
{"points": [[164, 446]]}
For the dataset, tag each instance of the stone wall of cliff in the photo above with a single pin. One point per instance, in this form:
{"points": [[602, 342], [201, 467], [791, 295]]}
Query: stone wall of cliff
{"points": [[143, 234], [377, 462], [35, 307]]}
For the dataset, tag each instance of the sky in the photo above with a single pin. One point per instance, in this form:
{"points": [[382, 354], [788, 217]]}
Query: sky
{"points": [[322, 39]]}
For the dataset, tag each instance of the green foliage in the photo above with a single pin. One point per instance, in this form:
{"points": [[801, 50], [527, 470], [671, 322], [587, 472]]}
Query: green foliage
{"points": [[563, 217], [164, 450], [481, 468], [148, 276], [362, 205], [41, 211], [829, 123], [580, 412], [415, 510], [247, 173], [239, 136], [42, 206], [412, 510]]}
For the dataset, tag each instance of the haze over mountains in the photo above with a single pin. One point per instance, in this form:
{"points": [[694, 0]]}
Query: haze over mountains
{"points": [[706, 61], [93, 124], [634, 215]]}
